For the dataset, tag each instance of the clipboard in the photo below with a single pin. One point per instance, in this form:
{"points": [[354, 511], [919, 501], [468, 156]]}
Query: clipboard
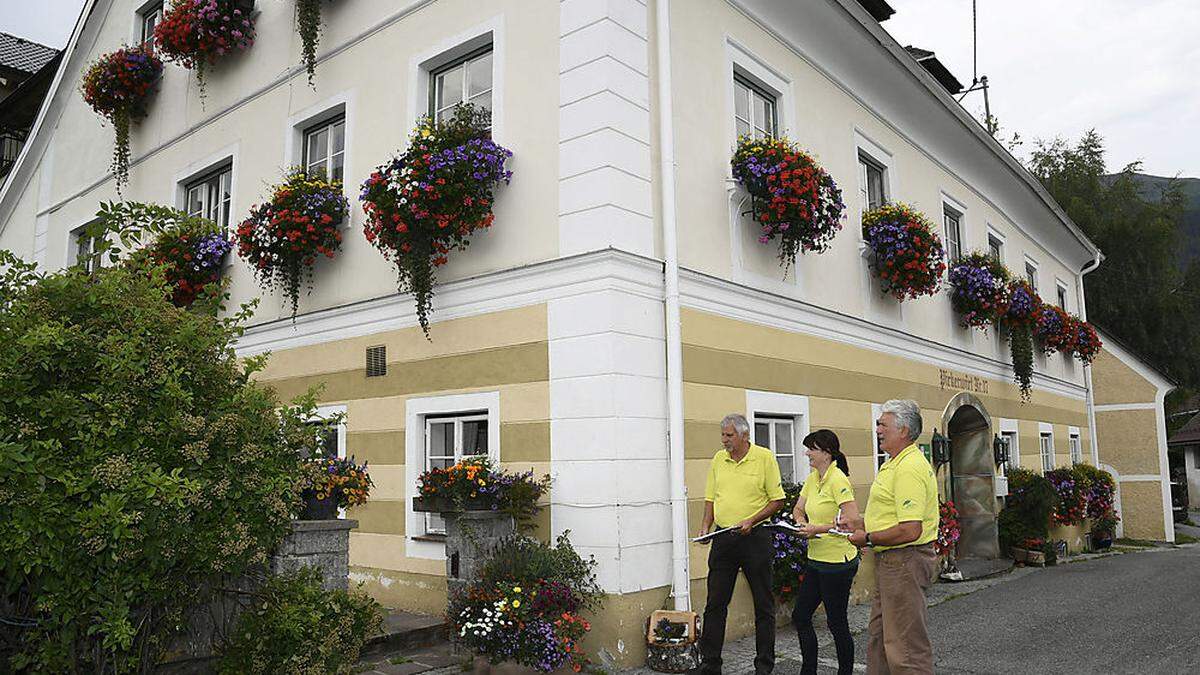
{"points": [[708, 537]]}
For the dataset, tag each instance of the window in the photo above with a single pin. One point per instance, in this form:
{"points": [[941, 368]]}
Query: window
{"points": [[996, 247], [448, 440], [84, 248], [1014, 450], [778, 434], [327, 433], [210, 196], [953, 222], [149, 17], [325, 149], [871, 182], [1076, 448], [754, 111], [1031, 274], [1062, 296], [466, 80], [1047, 448]]}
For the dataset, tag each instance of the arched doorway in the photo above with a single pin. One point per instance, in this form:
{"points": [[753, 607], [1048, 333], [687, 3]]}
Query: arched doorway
{"points": [[972, 474]]}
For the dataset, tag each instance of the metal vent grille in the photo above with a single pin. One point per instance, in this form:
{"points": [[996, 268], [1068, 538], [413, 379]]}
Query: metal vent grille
{"points": [[376, 361]]}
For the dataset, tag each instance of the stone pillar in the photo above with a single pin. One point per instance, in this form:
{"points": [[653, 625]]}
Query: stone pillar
{"points": [[323, 544], [471, 536]]}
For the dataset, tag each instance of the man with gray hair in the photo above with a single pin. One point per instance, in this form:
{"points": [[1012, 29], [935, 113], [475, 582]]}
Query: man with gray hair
{"points": [[742, 490], [900, 523]]}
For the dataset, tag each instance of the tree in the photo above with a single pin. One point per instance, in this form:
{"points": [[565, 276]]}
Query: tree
{"points": [[1138, 294], [140, 464]]}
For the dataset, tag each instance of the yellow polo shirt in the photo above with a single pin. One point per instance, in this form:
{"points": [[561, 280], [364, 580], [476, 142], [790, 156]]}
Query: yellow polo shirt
{"points": [[823, 496], [904, 490], [739, 490]]}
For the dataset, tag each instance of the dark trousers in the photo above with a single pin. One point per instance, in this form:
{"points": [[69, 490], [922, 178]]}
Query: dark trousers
{"points": [[752, 554], [831, 587]]}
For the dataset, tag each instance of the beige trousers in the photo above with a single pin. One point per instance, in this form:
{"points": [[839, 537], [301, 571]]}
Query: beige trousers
{"points": [[898, 641]]}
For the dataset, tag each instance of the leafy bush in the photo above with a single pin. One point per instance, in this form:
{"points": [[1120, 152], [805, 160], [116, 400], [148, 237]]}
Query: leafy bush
{"points": [[141, 463], [1071, 506], [526, 608], [1026, 515], [299, 627]]}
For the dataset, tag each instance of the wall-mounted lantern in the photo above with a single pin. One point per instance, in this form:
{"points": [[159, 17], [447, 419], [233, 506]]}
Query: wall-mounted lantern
{"points": [[1001, 449], [941, 449]]}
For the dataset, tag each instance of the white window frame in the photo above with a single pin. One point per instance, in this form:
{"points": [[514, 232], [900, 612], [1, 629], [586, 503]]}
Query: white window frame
{"points": [[755, 92], [341, 105], [1074, 445], [326, 127], [949, 206], [773, 405], [878, 455], [867, 148], [434, 523], [221, 214], [994, 235], [424, 64], [434, 109], [74, 250], [328, 412], [1063, 294], [203, 168], [1009, 430], [1046, 432], [1031, 265], [144, 11], [416, 412], [741, 62]]}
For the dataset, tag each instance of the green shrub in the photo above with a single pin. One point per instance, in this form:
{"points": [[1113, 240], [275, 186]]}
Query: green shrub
{"points": [[140, 461], [297, 627], [1026, 513]]}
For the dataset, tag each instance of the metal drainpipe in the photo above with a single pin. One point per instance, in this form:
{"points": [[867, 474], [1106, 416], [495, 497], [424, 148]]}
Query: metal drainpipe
{"points": [[680, 581], [1087, 370]]}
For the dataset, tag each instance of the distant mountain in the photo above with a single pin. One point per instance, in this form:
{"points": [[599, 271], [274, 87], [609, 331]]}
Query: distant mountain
{"points": [[1152, 187]]}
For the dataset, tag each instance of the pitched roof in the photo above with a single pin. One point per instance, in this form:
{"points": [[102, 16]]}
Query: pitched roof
{"points": [[1188, 433], [929, 61], [24, 55]]}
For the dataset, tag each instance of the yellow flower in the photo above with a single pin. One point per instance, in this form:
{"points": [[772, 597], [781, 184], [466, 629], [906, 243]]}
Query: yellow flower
{"points": [[516, 589], [516, 603], [424, 133]]}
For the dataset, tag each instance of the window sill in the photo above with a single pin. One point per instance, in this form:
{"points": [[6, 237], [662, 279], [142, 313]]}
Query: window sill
{"points": [[434, 538]]}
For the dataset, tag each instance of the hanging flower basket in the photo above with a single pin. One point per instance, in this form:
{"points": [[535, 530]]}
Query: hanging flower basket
{"points": [[283, 237], [793, 199], [117, 86], [979, 290], [1087, 342], [192, 255], [429, 200], [948, 529], [196, 33], [1020, 315], [907, 256], [1054, 330]]}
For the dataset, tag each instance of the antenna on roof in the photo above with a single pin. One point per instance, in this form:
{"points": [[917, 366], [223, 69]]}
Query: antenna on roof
{"points": [[979, 82]]}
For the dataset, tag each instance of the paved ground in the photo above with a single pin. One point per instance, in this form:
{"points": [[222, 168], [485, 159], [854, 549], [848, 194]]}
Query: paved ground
{"points": [[1102, 614]]}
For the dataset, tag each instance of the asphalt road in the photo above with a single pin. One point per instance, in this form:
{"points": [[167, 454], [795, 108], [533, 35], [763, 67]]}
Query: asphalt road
{"points": [[1135, 613]]}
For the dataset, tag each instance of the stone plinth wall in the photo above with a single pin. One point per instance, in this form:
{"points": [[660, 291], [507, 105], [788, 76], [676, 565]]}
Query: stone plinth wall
{"points": [[323, 544], [471, 536]]}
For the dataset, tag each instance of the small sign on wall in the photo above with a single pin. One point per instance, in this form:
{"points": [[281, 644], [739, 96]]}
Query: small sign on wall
{"points": [[1001, 483]]}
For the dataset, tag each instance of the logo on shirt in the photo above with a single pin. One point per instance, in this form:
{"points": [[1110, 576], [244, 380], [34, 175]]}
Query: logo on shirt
{"points": [[908, 503]]}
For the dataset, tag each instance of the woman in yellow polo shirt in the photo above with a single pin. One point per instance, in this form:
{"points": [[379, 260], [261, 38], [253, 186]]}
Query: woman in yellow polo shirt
{"points": [[832, 559]]}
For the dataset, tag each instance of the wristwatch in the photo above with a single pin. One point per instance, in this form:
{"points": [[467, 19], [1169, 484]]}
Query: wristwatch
{"points": [[869, 539]]}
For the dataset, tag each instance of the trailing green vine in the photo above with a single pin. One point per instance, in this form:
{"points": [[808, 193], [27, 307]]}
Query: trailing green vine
{"points": [[1021, 347], [308, 26]]}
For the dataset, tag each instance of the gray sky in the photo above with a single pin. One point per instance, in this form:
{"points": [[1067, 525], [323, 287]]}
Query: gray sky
{"points": [[1056, 67], [1127, 68]]}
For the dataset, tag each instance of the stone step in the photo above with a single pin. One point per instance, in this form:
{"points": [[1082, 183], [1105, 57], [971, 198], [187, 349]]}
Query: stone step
{"points": [[405, 630]]}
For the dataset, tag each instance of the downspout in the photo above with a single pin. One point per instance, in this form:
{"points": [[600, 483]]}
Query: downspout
{"points": [[1087, 370], [680, 581]]}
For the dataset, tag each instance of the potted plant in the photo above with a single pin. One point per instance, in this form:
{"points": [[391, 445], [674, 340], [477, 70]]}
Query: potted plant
{"points": [[979, 290], [430, 200], [308, 27], [907, 255], [791, 552], [527, 607], [196, 33], [474, 484], [1087, 342], [671, 641], [1071, 506], [282, 238], [191, 255], [793, 199], [117, 85], [1054, 330], [333, 483]]}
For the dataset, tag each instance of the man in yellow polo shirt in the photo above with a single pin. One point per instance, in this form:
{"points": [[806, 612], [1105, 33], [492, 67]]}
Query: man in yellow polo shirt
{"points": [[742, 490], [901, 523]]}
